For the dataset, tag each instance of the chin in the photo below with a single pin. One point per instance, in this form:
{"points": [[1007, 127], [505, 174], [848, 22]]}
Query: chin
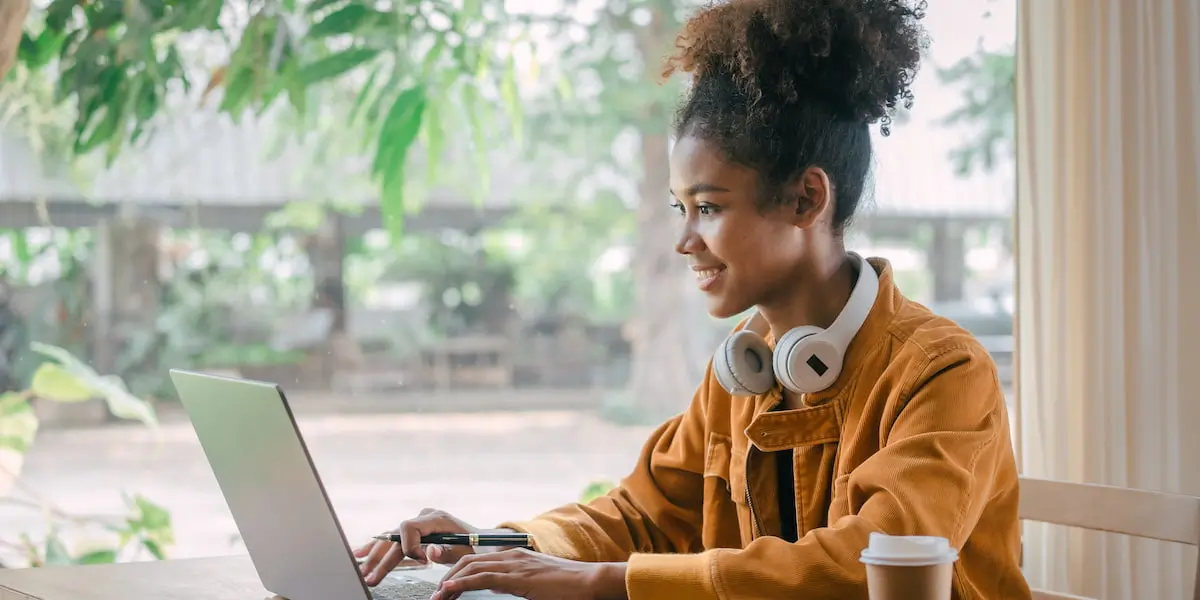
{"points": [[724, 308]]}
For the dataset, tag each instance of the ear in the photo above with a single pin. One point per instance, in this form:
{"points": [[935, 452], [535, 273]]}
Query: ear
{"points": [[813, 197]]}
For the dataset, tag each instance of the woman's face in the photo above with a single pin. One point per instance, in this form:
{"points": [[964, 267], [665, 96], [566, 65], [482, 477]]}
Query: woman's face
{"points": [[742, 253]]}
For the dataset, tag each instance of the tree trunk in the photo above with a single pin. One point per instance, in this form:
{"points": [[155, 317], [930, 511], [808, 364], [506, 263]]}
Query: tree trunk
{"points": [[326, 250], [665, 371], [12, 18]]}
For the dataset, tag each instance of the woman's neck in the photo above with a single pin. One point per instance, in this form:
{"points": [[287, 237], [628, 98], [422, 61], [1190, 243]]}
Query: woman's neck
{"points": [[818, 297]]}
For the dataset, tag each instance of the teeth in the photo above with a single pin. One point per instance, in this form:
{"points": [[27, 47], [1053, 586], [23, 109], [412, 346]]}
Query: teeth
{"points": [[707, 274]]}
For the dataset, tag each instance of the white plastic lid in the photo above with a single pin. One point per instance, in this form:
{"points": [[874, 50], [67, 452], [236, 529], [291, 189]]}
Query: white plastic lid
{"points": [[908, 551]]}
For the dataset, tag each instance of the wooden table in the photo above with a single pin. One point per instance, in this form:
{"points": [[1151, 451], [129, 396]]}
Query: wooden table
{"points": [[224, 578]]}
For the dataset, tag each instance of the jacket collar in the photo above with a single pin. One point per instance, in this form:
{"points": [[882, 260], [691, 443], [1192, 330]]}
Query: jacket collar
{"points": [[820, 421]]}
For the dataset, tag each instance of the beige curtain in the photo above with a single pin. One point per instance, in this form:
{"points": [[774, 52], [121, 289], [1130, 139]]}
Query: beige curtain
{"points": [[1108, 230]]}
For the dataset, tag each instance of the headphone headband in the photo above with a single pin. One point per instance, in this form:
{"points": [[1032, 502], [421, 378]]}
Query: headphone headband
{"points": [[852, 317], [862, 300], [807, 358]]}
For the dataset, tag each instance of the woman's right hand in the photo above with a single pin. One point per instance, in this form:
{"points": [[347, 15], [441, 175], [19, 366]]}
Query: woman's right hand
{"points": [[379, 557]]}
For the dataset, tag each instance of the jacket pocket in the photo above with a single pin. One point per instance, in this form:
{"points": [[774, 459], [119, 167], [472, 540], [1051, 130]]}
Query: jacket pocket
{"points": [[839, 502], [722, 509], [717, 457]]}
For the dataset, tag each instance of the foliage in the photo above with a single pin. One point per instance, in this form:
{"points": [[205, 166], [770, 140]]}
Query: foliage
{"points": [[459, 277], [595, 490], [64, 379], [559, 250], [216, 283], [120, 65], [988, 82], [27, 106]]}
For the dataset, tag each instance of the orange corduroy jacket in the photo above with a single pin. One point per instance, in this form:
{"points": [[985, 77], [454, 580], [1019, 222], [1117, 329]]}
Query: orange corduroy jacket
{"points": [[913, 439]]}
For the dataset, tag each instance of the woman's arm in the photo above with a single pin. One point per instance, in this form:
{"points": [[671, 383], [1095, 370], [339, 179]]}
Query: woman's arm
{"points": [[934, 476], [656, 508]]}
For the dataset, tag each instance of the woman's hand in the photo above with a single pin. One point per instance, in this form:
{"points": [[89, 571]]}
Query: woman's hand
{"points": [[380, 557], [535, 576]]}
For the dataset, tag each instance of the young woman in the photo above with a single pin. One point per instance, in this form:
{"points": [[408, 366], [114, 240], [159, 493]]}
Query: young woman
{"points": [[839, 409]]}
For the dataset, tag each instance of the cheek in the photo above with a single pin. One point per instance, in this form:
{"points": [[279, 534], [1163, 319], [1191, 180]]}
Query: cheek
{"points": [[724, 239]]}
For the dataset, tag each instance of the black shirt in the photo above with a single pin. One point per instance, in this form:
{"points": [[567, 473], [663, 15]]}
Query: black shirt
{"points": [[787, 495]]}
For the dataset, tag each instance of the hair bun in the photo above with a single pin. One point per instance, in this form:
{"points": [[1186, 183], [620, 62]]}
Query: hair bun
{"points": [[859, 57]]}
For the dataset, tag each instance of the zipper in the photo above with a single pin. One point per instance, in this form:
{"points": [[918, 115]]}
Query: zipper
{"points": [[757, 531]]}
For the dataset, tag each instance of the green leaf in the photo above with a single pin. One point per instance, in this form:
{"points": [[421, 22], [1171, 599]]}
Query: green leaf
{"points": [[317, 5], [344, 20], [512, 99], [595, 490], [152, 517], [18, 423], [56, 551], [20, 245], [367, 89], [120, 402], [154, 549], [483, 172], [53, 382], [336, 64], [64, 358], [434, 54], [98, 557], [435, 134], [399, 131], [58, 13], [123, 404]]}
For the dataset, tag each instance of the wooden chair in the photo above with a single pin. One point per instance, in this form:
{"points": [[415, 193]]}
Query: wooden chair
{"points": [[1139, 513]]}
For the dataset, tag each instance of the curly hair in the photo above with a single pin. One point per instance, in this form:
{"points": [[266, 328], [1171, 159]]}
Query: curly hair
{"points": [[783, 85]]}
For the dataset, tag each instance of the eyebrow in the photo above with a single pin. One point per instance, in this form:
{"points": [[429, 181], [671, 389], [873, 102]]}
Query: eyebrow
{"points": [[701, 188]]}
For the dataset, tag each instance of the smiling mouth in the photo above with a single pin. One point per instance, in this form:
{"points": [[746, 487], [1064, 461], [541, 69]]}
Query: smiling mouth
{"points": [[706, 278]]}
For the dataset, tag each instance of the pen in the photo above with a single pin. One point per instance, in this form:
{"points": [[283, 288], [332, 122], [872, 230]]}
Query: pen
{"points": [[519, 540]]}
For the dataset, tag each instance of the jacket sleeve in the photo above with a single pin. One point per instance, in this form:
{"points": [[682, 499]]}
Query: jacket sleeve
{"points": [[655, 509], [933, 476]]}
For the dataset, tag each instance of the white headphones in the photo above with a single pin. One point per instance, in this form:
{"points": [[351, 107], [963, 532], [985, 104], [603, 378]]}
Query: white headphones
{"points": [[807, 359]]}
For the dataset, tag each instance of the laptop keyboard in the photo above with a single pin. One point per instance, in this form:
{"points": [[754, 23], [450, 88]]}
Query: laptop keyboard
{"points": [[402, 588]]}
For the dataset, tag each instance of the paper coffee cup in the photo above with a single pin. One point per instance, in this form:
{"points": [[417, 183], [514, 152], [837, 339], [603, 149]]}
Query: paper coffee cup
{"points": [[909, 567]]}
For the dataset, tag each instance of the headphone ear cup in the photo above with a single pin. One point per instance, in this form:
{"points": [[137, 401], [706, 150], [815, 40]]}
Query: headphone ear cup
{"points": [[785, 349], [743, 365]]}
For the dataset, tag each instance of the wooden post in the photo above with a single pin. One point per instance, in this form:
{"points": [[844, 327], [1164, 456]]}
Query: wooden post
{"points": [[12, 19], [326, 248]]}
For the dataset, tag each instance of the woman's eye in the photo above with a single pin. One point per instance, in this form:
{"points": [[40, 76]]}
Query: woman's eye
{"points": [[677, 207], [706, 209]]}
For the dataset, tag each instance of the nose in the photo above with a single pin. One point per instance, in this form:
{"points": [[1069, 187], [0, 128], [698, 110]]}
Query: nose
{"points": [[689, 241]]}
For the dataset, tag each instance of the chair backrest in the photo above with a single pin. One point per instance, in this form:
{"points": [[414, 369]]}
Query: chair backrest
{"points": [[1139, 513]]}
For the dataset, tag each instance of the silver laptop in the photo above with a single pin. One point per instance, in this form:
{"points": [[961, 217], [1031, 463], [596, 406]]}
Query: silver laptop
{"points": [[278, 502]]}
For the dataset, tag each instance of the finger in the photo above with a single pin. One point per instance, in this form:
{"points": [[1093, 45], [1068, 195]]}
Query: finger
{"points": [[472, 563], [463, 563], [410, 537], [386, 564], [364, 549], [447, 555], [488, 580], [374, 556]]}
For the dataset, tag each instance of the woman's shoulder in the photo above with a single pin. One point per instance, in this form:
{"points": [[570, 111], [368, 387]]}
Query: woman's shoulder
{"points": [[934, 358], [923, 335]]}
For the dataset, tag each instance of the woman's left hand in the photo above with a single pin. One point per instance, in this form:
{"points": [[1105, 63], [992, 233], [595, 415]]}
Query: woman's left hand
{"points": [[533, 575]]}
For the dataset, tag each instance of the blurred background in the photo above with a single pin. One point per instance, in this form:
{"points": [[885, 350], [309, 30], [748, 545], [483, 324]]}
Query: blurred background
{"points": [[442, 226]]}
